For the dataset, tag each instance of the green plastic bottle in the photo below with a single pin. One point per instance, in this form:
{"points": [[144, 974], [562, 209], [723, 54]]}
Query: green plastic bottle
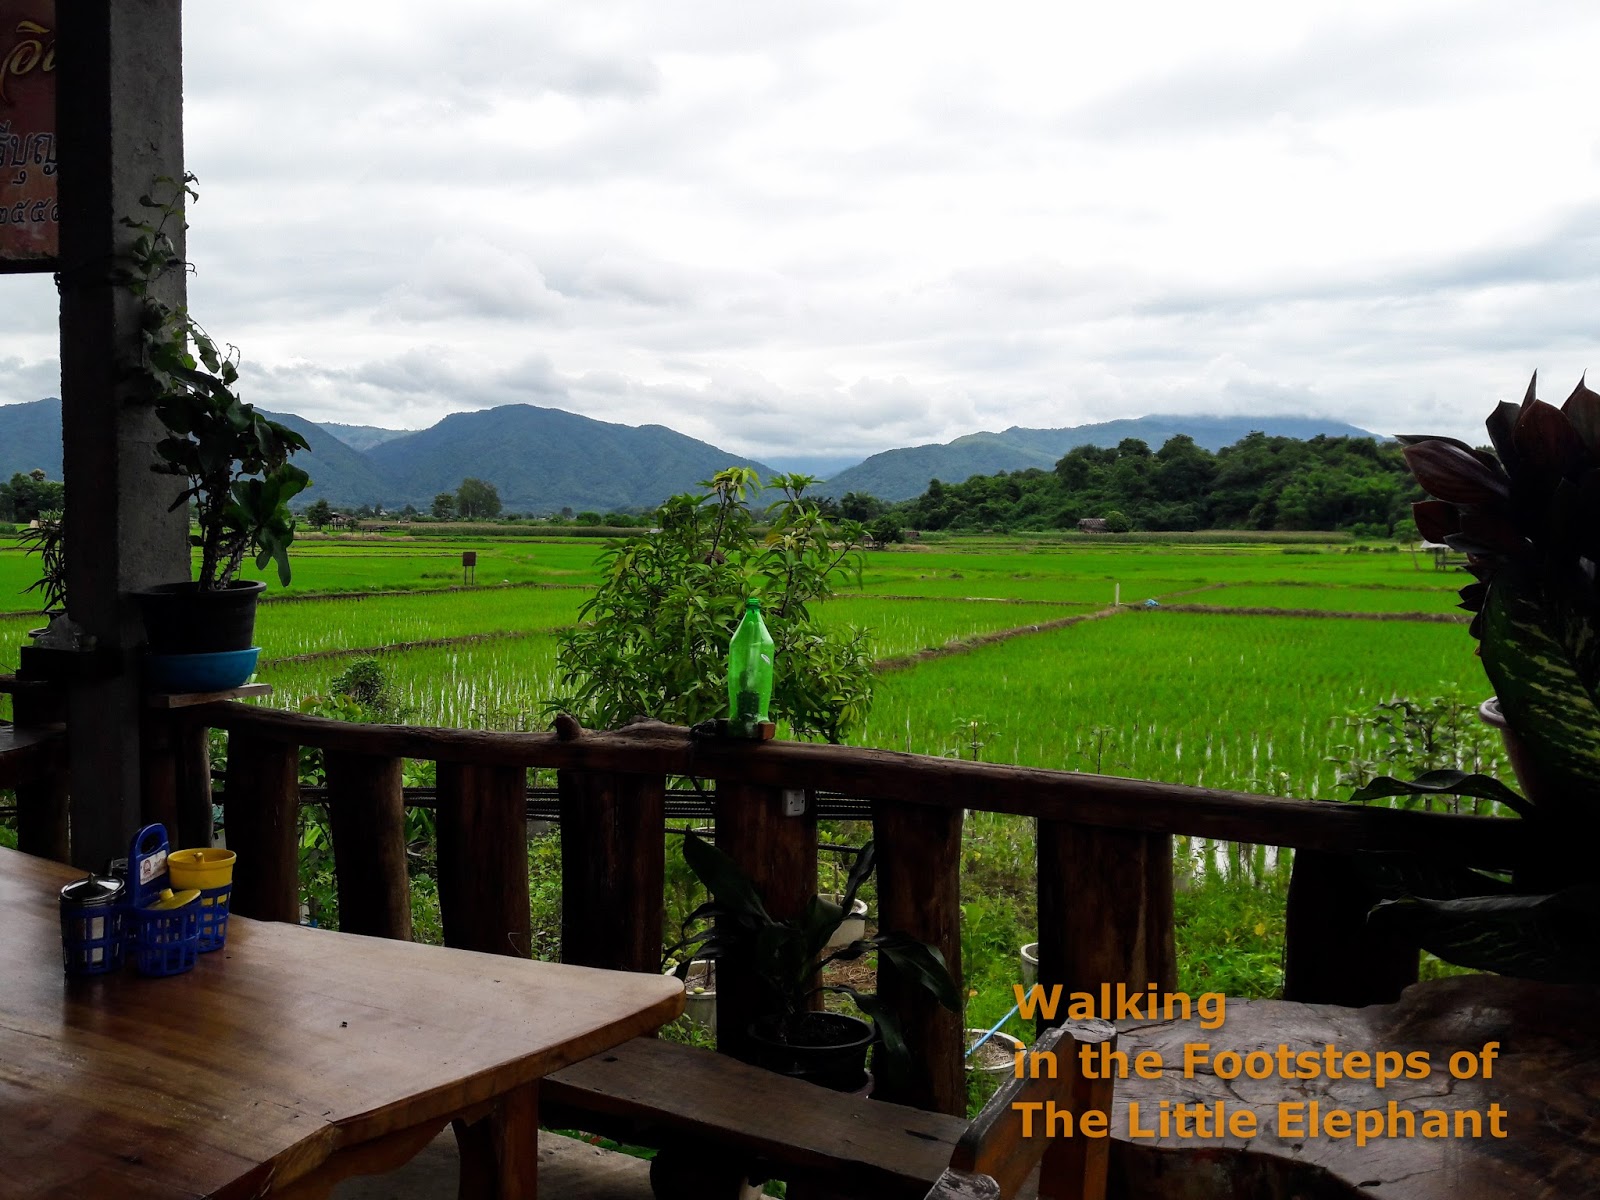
{"points": [[749, 672]]}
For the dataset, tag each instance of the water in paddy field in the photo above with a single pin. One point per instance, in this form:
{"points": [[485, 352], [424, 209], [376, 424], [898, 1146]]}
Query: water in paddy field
{"points": [[1196, 860]]}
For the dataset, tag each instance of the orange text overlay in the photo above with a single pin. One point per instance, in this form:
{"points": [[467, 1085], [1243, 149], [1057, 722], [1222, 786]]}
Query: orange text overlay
{"points": [[1290, 1119]]}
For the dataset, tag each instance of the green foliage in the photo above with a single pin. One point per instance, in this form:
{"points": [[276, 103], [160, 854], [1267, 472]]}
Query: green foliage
{"points": [[887, 530], [319, 514], [47, 539], [1407, 736], [861, 506], [476, 500], [971, 735], [444, 506], [30, 496], [1527, 515], [364, 682], [233, 460], [1259, 483], [785, 957], [1229, 935], [654, 637]]}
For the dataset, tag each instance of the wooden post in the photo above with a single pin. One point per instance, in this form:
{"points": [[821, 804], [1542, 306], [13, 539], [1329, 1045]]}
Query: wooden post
{"points": [[42, 803], [1331, 955], [919, 893], [263, 824], [500, 1152], [366, 810], [158, 773], [191, 756], [483, 858], [1105, 908], [779, 853], [120, 126], [613, 855]]}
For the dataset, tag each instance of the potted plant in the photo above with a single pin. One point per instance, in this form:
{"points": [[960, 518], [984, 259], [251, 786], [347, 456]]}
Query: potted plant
{"points": [[788, 956], [1527, 516], [56, 649], [233, 461]]}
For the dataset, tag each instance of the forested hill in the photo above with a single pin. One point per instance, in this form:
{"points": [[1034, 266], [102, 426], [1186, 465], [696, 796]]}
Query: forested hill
{"points": [[1260, 482], [539, 459], [903, 473]]}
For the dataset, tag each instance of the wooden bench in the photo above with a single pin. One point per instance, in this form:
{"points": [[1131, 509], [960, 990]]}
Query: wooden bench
{"points": [[716, 1122]]}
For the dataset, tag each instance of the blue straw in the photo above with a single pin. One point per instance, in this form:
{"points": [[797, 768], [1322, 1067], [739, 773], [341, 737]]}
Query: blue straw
{"points": [[973, 1048]]}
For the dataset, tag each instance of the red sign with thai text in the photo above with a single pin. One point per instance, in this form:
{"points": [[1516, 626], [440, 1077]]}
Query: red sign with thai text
{"points": [[30, 217]]}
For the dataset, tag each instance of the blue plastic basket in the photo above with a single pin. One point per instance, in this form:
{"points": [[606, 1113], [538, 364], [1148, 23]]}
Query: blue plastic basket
{"points": [[93, 926], [213, 905], [166, 941]]}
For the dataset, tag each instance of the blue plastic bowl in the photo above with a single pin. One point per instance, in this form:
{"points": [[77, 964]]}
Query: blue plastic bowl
{"points": [[201, 672]]}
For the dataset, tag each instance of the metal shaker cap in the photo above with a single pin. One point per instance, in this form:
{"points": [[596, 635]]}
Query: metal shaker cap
{"points": [[97, 891]]}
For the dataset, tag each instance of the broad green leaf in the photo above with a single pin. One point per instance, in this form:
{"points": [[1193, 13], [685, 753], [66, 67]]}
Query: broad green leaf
{"points": [[1397, 876], [722, 878], [1554, 938], [1445, 783], [1542, 654], [919, 963]]}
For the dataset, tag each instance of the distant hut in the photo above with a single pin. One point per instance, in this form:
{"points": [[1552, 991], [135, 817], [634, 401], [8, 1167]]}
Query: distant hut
{"points": [[1093, 525]]}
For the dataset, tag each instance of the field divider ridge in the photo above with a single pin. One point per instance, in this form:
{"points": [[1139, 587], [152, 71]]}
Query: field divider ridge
{"points": [[460, 639], [976, 642], [423, 591], [1222, 611]]}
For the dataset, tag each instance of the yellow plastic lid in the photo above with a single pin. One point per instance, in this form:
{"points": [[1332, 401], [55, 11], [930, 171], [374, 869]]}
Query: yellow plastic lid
{"points": [[171, 899]]}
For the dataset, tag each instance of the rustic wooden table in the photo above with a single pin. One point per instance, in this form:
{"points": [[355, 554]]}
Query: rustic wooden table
{"points": [[1536, 1135], [284, 1062]]}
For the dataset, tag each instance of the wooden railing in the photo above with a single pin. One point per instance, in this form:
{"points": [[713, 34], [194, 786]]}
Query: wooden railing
{"points": [[1105, 871]]}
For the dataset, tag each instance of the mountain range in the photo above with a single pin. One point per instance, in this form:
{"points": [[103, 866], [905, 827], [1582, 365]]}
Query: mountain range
{"points": [[544, 459]]}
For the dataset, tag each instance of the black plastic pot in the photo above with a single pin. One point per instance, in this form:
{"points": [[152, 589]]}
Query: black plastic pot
{"points": [[181, 619], [828, 1049]]}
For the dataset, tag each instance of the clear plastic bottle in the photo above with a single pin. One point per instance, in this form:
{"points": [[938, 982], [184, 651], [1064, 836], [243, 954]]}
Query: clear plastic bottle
{"points": [[749, 672]]}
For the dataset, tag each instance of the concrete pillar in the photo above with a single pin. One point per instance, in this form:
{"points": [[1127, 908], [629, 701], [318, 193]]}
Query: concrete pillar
{"points": [[120, 124]]}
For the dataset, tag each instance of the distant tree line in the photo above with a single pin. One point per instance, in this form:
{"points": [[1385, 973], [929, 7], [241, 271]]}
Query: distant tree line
{"points": [[1337, 483], [28, 496], [475, 500]]}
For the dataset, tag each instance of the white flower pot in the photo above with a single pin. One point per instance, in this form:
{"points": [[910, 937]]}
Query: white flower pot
{"points": [[997, 1056], [1030, 965], [853, 928], [700, 994]]}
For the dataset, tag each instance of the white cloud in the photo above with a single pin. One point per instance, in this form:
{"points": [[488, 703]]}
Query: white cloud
{"points": [[842, 226]]}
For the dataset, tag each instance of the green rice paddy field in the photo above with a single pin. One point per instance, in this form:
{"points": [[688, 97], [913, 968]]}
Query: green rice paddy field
{"points": [[1239, 675]]}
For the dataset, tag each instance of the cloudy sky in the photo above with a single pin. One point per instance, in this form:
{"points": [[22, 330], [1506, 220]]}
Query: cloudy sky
{"points": [[837, 226]]}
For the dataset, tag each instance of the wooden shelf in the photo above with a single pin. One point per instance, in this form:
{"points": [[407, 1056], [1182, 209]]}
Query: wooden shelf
{"points": [[191, 699]]}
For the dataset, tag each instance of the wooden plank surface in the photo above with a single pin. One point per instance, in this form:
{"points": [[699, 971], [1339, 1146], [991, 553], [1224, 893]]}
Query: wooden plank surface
{"points": [[171, 700], [33, 761], [612, 910], [482, 836], [366, 809], [1105, 908], [919, 893], [288, 1046], [263, 827], [1073, 1166], [651, 748], [779, 854], [1546, 1076], [24, 753], [670, 1093]]}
